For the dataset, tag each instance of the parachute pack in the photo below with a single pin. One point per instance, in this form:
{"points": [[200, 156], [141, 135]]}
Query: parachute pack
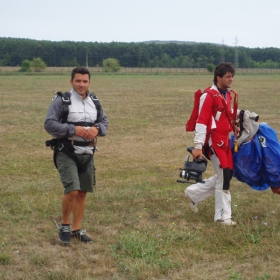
{"points": [[257, 162], [190, 125]]}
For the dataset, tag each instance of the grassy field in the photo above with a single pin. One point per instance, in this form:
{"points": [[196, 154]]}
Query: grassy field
{"points": [[138, 216]]}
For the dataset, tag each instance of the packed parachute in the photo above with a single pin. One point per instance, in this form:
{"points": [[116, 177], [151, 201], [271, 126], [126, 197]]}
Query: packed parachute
{"points": [[257, 161]]}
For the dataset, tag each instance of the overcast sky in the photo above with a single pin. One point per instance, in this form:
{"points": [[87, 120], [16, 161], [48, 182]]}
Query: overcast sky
{"points": [[248, 23]]}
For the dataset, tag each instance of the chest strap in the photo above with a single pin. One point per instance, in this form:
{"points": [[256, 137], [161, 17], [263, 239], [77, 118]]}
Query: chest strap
{"points": [[85, 124], [67, 143]]}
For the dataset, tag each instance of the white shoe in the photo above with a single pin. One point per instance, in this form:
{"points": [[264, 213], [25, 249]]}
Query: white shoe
{"points": [[227, 222], [192, 205]]}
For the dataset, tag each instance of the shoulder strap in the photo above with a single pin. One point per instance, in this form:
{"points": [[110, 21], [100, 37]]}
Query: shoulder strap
{"points": [[232, 115], [66, 100], [213, 92], [96, 103]]}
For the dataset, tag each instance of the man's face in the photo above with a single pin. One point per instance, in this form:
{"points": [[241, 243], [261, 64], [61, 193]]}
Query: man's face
{"points": [[80, 84], [225, 81]]}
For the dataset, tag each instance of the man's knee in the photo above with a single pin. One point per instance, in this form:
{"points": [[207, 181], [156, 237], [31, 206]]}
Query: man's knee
{"points": [[81, 195], [71, 195]]}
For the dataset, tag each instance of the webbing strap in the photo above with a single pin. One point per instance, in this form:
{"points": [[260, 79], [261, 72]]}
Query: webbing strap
{"points": [[66, 101], [68, 142], [231, 116], [60, 147], [96, 103], [90, 124]]}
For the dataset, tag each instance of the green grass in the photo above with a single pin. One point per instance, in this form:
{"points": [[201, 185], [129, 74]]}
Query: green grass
{"points": [[138, 216]]}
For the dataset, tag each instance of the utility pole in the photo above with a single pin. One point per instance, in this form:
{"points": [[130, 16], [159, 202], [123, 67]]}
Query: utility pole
{"points": [[86, 59], [223, 51], [236, 64]]}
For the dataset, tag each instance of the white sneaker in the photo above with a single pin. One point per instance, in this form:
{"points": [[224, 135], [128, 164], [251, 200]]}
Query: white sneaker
{"points": [[192, 205], [227, 222]]}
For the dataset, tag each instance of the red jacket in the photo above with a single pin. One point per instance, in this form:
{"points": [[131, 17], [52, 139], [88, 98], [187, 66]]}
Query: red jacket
{"points": [[211, 120], [212, 113]]}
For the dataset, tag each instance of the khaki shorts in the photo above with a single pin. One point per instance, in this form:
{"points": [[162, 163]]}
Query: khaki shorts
{"points": [[69, 176]]}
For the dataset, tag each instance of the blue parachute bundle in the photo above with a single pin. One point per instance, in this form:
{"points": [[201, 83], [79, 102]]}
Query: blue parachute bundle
{"points": [[271, 154], [248, 165], [257, 162]]}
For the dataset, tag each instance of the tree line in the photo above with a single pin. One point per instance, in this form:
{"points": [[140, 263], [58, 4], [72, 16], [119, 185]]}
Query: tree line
{"points": [[13, 51]]}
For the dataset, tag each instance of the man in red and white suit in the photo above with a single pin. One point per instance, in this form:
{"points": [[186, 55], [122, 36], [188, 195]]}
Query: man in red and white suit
{"points": [[212, 128]]}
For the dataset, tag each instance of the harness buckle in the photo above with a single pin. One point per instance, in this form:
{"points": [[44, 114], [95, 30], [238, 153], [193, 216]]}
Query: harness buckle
{"points": [[66, 99], [91, 144], [60, 148]]}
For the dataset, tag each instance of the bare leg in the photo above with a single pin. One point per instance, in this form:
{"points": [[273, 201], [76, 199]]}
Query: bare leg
{"points": [[78, 210], [68, 201]]}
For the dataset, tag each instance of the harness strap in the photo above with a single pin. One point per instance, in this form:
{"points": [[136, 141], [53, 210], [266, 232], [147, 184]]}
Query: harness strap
{"points": [[68, 142], [61, 144], [66, 101], [60, 147], [232, 116], [96, 103], [82, 123]]}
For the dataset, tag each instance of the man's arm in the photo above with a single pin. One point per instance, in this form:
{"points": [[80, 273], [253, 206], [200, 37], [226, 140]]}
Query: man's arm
{"points": [[102, 123], [52, 122], [199, 140], [205, 115]]}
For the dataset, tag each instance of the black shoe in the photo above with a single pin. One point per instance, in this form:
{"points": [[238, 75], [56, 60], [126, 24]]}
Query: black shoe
{"points": [[64, 234], [81, 235]]}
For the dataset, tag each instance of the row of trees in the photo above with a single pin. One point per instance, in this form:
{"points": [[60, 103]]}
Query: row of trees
{"points": [[14, 51], [38, 65]]}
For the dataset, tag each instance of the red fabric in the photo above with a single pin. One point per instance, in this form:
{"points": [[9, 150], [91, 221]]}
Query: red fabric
{"points": [[190, 125], [223, 151], [276, 190], [213, 103]]}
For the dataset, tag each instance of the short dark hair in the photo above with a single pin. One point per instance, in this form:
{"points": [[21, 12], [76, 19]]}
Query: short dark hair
{"points": [[222, 69], [80, 70]]}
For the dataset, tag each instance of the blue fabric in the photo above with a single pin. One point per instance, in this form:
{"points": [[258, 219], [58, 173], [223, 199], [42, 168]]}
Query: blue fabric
{"points": [[271, 154], [223, 92], [257, 162]]}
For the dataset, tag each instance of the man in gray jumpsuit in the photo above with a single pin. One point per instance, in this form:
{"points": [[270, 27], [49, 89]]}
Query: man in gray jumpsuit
{"points": [[75, 144]]}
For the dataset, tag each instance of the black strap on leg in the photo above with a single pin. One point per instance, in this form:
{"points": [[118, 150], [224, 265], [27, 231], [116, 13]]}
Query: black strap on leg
{"points": [[227, 173]]}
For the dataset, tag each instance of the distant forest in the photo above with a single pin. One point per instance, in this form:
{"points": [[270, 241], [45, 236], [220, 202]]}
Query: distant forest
{"points": [[13, 51]]}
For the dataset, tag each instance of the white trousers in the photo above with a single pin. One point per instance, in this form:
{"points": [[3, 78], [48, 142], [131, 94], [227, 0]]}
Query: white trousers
{"points": [[213, 186]]}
